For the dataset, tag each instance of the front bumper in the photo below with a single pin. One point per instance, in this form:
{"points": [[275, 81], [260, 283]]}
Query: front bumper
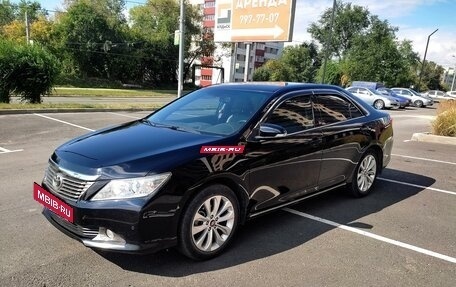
{"points": [[100, 242], [130, 226]]}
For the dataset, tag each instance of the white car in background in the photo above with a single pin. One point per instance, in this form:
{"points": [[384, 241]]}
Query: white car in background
{"points": [[439, 95], [451, 94], [374, 98], [418, 100]]}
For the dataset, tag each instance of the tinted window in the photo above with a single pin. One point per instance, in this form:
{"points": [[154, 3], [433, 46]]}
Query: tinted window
{"points": [[333, 109], [294, 114]]}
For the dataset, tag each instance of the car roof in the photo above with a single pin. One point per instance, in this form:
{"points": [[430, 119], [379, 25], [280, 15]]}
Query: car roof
{"points": [[272, 87]]}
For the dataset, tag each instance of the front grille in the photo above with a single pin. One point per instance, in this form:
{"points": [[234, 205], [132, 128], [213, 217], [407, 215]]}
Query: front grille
{"points": [[64, 185], [73, 228]]}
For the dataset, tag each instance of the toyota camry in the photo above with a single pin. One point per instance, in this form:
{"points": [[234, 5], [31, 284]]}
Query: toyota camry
{"points": [[190, 173]]}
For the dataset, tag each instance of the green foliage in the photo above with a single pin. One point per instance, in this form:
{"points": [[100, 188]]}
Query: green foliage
{"points": [[28, 71], [7, 12], [302, 62], [349, 21], [334, 72], [7, 55], [297, 64]]}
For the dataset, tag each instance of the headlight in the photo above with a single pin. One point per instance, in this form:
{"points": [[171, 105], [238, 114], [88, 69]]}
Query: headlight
{"points": [[132, 187]]}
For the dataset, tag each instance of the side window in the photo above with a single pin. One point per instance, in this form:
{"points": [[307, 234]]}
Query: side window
{"points": [[331, 109], [294, 115], [404, 92], [363, 92]]}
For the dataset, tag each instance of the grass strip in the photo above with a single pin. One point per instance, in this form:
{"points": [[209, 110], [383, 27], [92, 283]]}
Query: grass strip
{"points": [[95, 92]]}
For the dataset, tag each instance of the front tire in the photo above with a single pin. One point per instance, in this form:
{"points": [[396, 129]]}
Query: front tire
{"points": [[209, 223], [365, 174], [379, 104], [419, 104]]}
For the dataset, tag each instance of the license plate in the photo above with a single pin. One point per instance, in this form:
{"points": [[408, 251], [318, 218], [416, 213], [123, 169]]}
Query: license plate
{"points": [[52, 203]]}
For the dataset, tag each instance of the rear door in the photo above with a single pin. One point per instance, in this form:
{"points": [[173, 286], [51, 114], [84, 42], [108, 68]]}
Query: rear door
{"points": [[344, 136]]}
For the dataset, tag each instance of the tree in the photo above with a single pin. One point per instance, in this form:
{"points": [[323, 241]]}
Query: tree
{"points": [[302, 62], [297, 64], [431, 78], [155, 24], [349, 22], [7, 12], [86, 36], [334, 73], [374, 55], [274, 70]]}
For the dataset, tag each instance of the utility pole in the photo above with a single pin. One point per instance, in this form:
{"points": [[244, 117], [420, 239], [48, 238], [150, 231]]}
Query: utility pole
{"points": [[247, 62], [180, 84], [27, 28], [329, 42], [454, 74], [424, 59]]}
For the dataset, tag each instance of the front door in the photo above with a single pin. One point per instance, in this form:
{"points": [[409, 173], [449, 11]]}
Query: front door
{"points": [[285, 168]]}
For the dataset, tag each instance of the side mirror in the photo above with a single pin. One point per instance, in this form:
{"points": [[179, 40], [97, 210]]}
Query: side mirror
{"points": [[271, 131]]}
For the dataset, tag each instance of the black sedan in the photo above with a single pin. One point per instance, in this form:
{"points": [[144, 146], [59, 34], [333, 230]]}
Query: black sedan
{"points": [[188, 174]]}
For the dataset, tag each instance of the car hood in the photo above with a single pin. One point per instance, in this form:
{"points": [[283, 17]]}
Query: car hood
{"points": [[132, 149]]}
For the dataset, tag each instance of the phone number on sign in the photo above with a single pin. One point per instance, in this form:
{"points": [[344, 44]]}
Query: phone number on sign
{"points": [[259, 18]]}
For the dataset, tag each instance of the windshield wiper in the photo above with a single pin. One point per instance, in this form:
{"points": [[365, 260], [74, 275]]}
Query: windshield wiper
{"points": [[176, 128]]}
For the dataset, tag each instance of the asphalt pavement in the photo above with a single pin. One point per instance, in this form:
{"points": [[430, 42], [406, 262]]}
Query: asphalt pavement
{"points": [[403, 234]]}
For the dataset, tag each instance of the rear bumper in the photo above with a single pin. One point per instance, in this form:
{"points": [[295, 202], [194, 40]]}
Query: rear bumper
{"points": [[387, 149]]}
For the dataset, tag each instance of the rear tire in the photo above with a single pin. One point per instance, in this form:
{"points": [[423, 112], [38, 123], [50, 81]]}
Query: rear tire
{"points": [[365, 175], [208, 223]]}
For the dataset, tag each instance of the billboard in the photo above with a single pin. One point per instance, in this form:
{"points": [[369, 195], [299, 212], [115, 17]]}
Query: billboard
{"points": [[254, 20]]}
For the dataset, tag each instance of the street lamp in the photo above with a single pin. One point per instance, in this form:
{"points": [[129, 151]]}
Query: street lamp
{"points": [[424, 60], [454, 74]]}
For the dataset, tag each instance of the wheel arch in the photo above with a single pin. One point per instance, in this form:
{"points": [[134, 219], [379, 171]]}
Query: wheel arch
{"points": [[228, 180], [378, 152]]}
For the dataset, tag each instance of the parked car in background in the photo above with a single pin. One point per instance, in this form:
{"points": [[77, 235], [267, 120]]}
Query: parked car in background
{"points": [[418, 100], [374, 98], [437, 95], [403, 101], [366, 84], [451, 94], [190, 173]]}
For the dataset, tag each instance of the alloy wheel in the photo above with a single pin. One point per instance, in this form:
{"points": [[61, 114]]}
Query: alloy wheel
{"points": [[366, 173], [379, 104], [213, 223]]}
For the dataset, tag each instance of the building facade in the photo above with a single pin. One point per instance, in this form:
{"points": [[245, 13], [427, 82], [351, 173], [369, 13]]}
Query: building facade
{"points": [[230, 57], [449, 78]]}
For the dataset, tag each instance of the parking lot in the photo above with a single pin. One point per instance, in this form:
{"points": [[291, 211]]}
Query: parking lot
{"points": [[403, 234]]}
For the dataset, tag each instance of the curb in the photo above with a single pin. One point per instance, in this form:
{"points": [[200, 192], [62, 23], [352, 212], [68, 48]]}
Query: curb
{"points": [[77, 110], [426, 137]]}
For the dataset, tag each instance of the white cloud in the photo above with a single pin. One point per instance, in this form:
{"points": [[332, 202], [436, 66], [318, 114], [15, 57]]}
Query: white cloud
{"points": [[441, 46]]}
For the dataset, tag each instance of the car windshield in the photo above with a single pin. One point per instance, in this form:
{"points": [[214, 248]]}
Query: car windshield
{"points": [[376, 92], [210, 111], [415, 93]]}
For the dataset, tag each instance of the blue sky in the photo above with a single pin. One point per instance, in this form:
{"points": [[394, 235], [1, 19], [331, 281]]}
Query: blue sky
{"points": [[416, 19]]}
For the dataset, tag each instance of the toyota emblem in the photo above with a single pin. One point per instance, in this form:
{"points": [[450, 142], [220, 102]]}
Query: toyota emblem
{"points": [[57, 181]]}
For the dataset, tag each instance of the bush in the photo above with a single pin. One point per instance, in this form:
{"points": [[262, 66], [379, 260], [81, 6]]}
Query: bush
{"points": [[6, 67], [28, 71], [445, 123]]}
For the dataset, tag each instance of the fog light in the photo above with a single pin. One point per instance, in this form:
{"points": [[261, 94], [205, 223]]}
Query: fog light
{"points": [[110, 234]]}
